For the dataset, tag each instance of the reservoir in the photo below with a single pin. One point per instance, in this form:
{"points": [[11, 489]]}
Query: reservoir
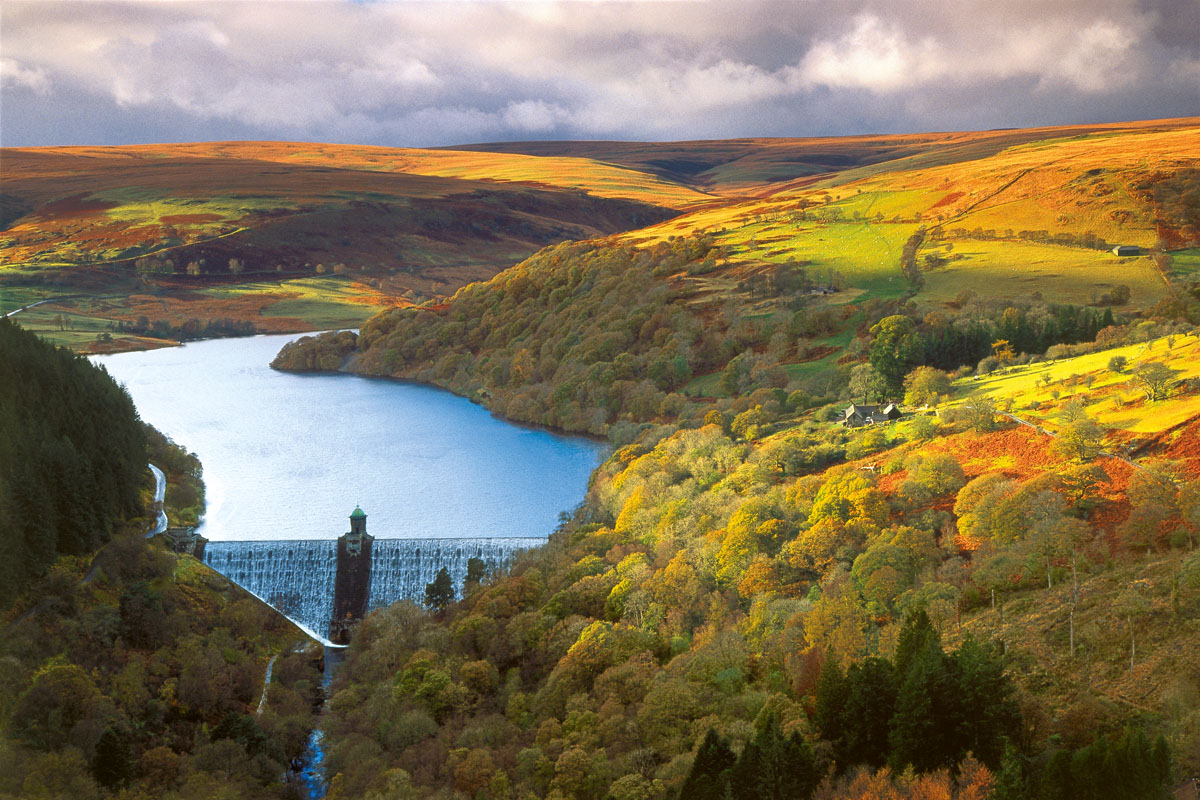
{"points": [[288, 456]]}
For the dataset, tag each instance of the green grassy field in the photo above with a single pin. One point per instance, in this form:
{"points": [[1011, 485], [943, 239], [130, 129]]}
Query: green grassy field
{"points": [[80, 329], [319, 303], [1186, 262], [1016, 270], [13, 298], [1012, 200]]}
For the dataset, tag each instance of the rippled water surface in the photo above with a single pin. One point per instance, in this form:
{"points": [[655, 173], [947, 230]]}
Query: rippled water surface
{"points": [[288, 456]]}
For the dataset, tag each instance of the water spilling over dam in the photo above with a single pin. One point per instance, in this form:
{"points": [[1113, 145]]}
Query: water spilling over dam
{"points": [[298, 576]]}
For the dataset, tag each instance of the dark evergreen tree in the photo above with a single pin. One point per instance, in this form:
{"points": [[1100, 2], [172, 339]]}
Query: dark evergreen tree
{"points": [[112, 764], [867, 714], [832, 694], [773, 766], [439, 593], [925, 724], [1011, 782], [895, 349], [476, 572], [72, 457], [916, 635], [709, 776], [1124, 765], [990, 715], [1055, 783]]}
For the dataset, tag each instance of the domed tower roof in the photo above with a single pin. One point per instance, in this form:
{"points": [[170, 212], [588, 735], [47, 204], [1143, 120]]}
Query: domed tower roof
{"points": [[357, 513]]}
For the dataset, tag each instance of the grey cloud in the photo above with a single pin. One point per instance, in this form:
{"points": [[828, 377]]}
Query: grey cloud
{"points": [[442, 73]]}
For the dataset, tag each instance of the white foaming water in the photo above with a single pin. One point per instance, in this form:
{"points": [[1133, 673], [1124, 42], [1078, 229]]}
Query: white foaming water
{"points": [[297, 576]]}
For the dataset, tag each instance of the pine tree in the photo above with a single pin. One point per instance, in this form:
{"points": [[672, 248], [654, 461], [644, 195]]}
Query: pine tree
{"points": [[832, 693], [1011, 782], [709, 776], [924, 727], [867, 714], [916, 634], [112, 764], [989, 714], [1055, 783], [440, 593], [72, 456], [773, 766]]}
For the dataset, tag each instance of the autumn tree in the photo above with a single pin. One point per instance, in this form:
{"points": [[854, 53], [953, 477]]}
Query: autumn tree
{"points": [[985, 509], [1188, 499], [925, 385], [981, 414], [1081, 485], [895, 347], [940, 473], [866, 384], [1003, 351], [1152, 500]]}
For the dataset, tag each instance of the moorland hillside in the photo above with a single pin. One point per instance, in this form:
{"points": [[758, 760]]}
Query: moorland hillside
{"points": [[145, 245]]}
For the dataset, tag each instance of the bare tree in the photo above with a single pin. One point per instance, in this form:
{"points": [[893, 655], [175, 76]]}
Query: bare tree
{"points": [[1156, 379]]}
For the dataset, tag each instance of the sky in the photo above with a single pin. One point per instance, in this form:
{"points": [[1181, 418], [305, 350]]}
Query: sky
{"points": [[441, 73]]}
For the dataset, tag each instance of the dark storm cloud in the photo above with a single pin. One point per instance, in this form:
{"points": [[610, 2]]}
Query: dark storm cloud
{"points": [[450, 72]]}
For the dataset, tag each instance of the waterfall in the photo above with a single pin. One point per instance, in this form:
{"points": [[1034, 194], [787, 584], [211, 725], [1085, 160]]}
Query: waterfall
{"points": [[297, 576], [400, 568]]}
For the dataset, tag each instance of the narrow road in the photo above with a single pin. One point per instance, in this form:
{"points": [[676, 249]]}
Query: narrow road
{"points": [[160, 494], [31, 305]]}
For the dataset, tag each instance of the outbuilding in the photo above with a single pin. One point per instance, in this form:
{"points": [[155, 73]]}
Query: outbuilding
{"points": [[1127, 250]]}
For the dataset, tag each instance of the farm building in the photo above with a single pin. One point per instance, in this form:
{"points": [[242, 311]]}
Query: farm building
{"points": [[858, 415], [1127, 250]]}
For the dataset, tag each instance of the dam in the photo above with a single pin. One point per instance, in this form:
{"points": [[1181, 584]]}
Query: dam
{"points": [[300, 577]]}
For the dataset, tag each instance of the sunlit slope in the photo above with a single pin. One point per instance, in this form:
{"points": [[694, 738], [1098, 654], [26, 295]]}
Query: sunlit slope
{"points": [[564, 172], [584, 174], [1035, 217], [1115, 399], [748, 166]]}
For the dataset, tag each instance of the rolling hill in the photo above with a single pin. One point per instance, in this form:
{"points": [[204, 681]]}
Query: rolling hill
{"points": [[1038, 216], [296, 236]]}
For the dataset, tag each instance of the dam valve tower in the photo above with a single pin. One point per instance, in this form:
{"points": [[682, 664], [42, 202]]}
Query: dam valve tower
{"points": [[352, 584]]}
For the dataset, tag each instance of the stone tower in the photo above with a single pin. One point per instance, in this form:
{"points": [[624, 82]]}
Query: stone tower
{"points": [[352, 584]]}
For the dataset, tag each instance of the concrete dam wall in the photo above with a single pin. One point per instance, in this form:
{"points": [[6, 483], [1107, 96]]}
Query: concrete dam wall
{"points": [[298, 577]]}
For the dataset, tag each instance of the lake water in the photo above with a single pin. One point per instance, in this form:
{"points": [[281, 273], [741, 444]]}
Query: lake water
{"points": [[288, 456]]}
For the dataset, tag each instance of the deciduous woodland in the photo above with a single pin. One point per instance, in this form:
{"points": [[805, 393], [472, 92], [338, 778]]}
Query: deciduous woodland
{"points": [[755, 600]]}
